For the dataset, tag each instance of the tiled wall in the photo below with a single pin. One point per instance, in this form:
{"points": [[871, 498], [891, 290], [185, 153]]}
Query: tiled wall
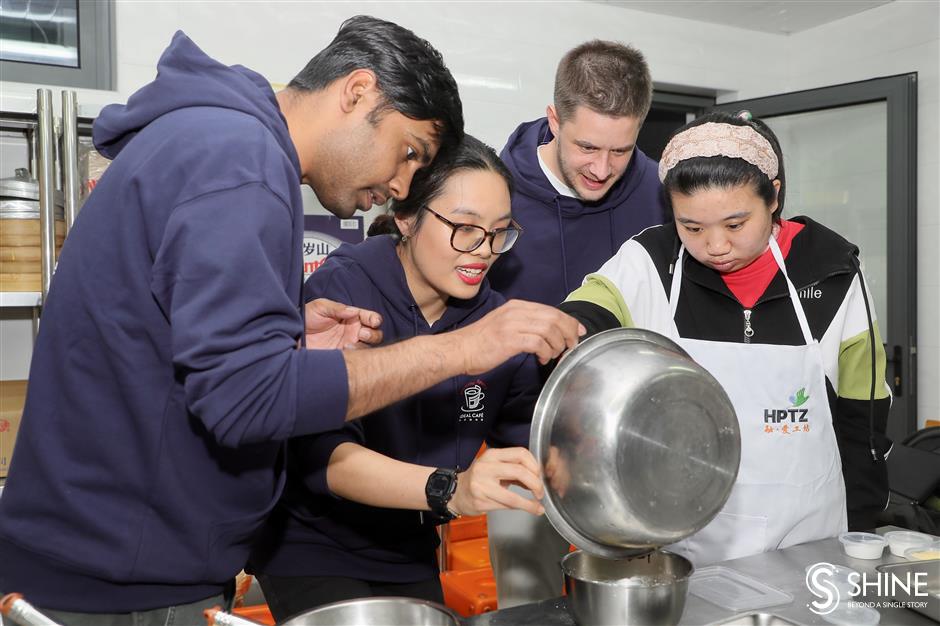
{"points": [[504, 56]]}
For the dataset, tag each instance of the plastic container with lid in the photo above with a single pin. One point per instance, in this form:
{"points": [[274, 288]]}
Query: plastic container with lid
{"points": [[863, 545], [924, 552], [900, 541]]}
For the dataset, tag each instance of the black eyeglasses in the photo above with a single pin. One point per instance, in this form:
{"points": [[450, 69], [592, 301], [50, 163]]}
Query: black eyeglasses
{"points": [[469, 237]]}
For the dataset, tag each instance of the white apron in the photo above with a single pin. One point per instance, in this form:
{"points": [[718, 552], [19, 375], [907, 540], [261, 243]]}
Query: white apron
{"points": [[789, 488]]}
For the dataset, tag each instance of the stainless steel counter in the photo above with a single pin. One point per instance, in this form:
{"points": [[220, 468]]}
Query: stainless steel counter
{"points": [[782, 569]]}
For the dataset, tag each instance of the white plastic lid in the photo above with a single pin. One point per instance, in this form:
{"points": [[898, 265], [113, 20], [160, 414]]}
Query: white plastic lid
{"points": [[908, 537], [870, 539], [863, 545], [846, 615], [733, 590]]}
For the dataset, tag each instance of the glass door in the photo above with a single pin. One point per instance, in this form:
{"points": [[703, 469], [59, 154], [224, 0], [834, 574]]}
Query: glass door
{"points": [[851, 165]]}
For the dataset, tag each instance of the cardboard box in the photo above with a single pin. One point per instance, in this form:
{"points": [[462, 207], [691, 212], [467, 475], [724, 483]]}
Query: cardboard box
{"points": [[12, 399]]}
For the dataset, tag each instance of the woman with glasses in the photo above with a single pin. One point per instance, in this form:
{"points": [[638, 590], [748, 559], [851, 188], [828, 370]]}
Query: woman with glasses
{"points": [[361, 504]]}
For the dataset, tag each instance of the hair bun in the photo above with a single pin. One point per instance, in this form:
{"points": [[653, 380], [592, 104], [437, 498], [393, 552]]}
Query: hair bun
{"points": [[384, 225]]}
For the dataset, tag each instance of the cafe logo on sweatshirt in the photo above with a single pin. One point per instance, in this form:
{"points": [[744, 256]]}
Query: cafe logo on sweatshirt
{"points": [[472, 407], [791, 419]]}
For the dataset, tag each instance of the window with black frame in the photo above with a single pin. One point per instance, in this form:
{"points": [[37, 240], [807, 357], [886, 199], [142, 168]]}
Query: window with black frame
{"points": [[57, 42]]}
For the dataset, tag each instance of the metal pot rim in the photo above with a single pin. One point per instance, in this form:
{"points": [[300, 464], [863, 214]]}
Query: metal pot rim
{"points": [[25, 188], [376, 600], [11, 209], [614, 583]]}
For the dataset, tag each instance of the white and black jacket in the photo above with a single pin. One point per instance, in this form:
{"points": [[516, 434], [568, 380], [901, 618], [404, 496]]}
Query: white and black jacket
{"points": [[632, 289]]}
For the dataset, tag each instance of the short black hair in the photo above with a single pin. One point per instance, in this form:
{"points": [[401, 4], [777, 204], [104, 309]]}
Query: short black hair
{"points": [[428, 184], [691, 175], [410, 73]]}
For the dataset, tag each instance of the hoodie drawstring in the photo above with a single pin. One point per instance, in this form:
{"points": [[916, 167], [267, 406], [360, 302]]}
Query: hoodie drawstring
{"points": [[610, 232], [459, 397], [564, 256], [564, 252], [414, 320]]}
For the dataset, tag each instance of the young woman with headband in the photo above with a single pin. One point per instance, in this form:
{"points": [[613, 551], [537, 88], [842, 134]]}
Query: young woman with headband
{"points": [[361, 505], [777, 310]]}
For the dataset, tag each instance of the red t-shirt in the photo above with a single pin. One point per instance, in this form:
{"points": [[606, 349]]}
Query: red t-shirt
{"points": [[749, 283]]}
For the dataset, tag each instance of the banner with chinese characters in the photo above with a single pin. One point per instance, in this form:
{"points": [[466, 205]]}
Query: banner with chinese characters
{"points": [[325, 233]]}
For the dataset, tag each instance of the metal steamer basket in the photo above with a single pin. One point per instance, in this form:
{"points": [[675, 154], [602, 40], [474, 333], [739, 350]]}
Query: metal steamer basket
{"points": [[20, 232], [639, 447]]}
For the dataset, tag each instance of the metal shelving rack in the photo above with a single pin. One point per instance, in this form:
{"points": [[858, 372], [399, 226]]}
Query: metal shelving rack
{"points": [[53, 148]]}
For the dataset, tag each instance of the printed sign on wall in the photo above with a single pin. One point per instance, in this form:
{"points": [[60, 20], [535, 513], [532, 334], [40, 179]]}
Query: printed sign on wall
{"points": [[325, 233]]}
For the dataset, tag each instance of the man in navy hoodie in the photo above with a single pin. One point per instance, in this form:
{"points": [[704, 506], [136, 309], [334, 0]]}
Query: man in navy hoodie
{"points": [[582, 189], [167, 375]]}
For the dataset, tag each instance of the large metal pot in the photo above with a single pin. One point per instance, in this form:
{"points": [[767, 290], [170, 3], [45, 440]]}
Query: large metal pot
{"points": [[639, 445], [647, 590], [377, 612]]}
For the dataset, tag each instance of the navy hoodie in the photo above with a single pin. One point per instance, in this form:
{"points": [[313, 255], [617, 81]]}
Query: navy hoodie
{"points": [[165, 376], [565, 238], [312, 532]]}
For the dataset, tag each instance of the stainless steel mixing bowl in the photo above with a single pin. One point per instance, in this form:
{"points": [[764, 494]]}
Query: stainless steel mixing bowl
{"points": [[649, 590], [377, 612], [639, 445]]}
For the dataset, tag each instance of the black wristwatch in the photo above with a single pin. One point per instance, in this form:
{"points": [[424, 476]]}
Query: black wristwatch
{"points": [[440, 488]]}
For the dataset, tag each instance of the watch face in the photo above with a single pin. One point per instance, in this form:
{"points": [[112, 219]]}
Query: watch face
{"points": [[438, 484]]}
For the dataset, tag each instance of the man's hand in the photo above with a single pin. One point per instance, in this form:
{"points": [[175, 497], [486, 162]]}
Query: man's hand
{"points": [[513, 328], [485, 486], [330, 325], [385, 375]]}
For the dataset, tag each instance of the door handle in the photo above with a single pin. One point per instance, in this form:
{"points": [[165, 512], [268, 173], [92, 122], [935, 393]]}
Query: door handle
{"points": [[896, 357]]}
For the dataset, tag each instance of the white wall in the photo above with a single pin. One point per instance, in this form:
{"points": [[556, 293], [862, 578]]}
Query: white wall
{"points": [[512, 47], [504, 56]]}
